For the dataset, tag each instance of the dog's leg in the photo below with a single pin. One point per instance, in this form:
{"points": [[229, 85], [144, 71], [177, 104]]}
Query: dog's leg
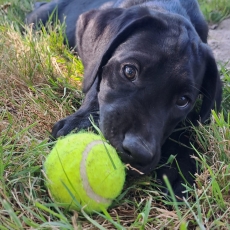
{"points": [[42, 12], [80, 119], [39, 4], [182, 169]]}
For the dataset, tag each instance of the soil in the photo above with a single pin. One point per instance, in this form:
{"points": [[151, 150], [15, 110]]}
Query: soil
{"points": [[219, 40]]}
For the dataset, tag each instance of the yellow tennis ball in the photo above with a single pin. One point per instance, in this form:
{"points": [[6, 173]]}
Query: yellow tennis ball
{"points": [[84, 171]]}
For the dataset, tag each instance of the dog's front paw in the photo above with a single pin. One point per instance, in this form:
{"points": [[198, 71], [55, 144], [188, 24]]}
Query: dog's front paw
{"points": [[74, 122], [63, 127]]}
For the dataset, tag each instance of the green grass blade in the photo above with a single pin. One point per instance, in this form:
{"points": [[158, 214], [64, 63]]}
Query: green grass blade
{"points": [[12, 214]]}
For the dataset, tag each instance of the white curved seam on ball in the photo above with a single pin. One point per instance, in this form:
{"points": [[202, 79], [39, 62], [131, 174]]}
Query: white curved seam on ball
{"points": [[83, 173]]}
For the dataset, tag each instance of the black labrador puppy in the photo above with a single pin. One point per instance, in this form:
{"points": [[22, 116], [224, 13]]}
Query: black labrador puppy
{"points": [[146, 62]]}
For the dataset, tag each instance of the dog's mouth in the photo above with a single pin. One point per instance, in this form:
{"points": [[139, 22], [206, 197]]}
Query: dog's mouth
{"points": [[138, 161], [138, 170], [135, 168]]}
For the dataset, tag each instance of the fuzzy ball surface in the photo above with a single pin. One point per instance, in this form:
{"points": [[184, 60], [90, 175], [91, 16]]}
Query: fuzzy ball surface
{"points": [[84, 171]]}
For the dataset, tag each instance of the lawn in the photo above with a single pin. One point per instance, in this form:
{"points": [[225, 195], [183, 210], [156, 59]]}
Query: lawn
{"points": [[40, 83]]}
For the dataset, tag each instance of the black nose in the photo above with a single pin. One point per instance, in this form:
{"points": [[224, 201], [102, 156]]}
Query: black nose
{"points": [[140, 151]]}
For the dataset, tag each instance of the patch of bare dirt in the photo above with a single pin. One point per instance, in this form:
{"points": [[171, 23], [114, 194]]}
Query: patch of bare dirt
{"points": [[219, 40]]}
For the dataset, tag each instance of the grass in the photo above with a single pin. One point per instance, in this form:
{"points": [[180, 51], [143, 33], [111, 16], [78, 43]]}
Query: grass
{"points": [[40, 83], [215, 10]]}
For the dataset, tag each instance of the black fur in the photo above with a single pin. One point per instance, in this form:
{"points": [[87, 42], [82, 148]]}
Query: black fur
{"points": [[163, 44]]}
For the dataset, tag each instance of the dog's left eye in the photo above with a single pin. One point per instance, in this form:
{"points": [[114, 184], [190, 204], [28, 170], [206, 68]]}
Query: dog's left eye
{"points": [[182, 101], [130, 72]]}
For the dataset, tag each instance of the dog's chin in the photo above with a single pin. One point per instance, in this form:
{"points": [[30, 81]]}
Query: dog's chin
{"points": [[139, 171], [136, 170]]}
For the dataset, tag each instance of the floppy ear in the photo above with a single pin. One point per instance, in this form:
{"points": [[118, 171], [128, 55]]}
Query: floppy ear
{"points": [[99, 32], [211, 88]]}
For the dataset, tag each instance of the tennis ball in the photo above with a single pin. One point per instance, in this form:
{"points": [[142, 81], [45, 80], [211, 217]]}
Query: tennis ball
{"points": [[84, 171]]}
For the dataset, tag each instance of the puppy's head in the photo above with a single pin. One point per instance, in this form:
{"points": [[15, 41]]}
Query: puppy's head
{"points": [[151, 68]]}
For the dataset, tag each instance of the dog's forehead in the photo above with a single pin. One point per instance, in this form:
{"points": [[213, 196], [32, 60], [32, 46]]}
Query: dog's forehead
{"points": [[176, 39], [174, 47]]}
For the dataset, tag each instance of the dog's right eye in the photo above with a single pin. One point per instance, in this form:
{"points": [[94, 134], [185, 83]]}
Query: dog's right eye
{"points": [[130, 72], [182, 101]]}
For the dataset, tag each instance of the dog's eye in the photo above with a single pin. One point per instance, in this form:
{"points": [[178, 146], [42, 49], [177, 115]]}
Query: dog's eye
{"points": [[130, 72], [182, 101]]}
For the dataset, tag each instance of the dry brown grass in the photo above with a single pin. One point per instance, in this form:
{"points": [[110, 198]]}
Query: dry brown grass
{"points": [[25, 82], [38, 82]]}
